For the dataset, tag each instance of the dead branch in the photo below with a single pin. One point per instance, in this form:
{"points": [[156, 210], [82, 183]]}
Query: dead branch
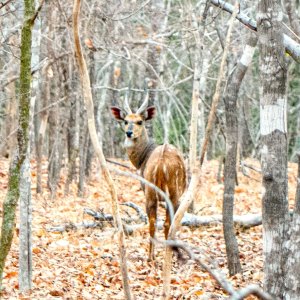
{"points": [[70, 226], [243, 164], [143, 217], [119, 164], [2, 4], [190, 220], [98, 215], [209, 265]]}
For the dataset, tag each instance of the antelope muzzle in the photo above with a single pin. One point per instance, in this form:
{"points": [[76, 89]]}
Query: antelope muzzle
{"points": [[129, 133]]}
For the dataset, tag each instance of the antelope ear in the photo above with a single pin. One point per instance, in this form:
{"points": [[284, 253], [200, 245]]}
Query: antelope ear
{"points": [[150, 113], [117, 113]]}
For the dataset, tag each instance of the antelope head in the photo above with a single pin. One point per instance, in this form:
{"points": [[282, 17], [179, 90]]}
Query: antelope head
{"points": [[134, 123]]}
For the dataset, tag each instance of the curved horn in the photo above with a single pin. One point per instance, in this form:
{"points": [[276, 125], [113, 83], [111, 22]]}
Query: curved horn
{"points": [[126, 104], [144, 105]]}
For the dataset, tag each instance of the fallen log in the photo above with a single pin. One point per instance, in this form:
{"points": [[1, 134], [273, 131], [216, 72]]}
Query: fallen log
{"points": [[245, 221], [101, 219]]}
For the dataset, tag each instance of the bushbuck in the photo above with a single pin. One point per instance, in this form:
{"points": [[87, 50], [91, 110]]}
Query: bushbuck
{"points": [[162, 165]]}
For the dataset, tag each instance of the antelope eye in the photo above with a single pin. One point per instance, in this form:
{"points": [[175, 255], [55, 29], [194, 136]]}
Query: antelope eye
{"points": [[125, 122], [139, 122]]}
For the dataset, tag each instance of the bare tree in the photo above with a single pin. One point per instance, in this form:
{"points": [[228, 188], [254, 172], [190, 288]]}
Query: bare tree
{"points": [[273, 130], [231, 113], [18, 169]]}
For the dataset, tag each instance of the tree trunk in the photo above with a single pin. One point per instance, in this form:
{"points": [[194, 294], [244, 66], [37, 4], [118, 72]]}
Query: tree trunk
{"points": [[7, 148], [72, 128], [217, 94], [231, 114], [195, 103], [273, 130], [53, 152], [40, 137], [44, 92], [25, 240], [246, 144], [292, 287], [83, 154], [11, 200]]}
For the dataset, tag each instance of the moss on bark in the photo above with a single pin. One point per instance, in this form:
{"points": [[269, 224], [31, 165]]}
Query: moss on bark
{"points": [[11, 200]]}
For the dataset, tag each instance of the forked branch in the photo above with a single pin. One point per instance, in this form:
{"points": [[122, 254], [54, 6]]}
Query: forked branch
{"points": [[291, 47]]}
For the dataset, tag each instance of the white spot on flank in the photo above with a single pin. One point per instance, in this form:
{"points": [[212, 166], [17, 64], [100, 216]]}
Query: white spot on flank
{"points": [[154, 171], [165, 171], [165, 168]]}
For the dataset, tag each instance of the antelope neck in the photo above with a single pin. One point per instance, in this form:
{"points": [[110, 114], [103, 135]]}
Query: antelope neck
{"points": [[139, 153]]}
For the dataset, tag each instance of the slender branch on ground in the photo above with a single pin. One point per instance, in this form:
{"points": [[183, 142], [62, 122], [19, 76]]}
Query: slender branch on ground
{"points": [[197, 255]]}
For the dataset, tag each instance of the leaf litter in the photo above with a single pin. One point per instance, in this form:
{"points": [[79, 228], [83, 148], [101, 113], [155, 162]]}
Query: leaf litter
{"points": [[84, 263]]}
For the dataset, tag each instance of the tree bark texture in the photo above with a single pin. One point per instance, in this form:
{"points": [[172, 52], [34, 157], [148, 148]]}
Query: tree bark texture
{"points": [[217, 94], [54, 142], [246, 144], [292, 287], [11, 122], [273, 131], [231, 114], [11, 200], [293, 17], [198, 32], [44, 92], [158, 22], [72, 130], [25, 240]]}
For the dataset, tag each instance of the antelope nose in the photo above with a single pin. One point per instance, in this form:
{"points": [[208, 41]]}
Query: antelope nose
{"points": [[129, 133]]}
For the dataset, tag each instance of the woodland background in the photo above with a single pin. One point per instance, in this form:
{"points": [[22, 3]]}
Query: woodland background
{"points": [[166, 46]]}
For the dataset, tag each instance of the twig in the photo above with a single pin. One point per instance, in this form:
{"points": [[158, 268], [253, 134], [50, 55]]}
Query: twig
{"points": [[37, 11], [130, 15], [244, 172], [243, 164], [119, 164], [98, 215], [217, 93], [2, 4], [139, 211], [208, 264], [291, 46]]}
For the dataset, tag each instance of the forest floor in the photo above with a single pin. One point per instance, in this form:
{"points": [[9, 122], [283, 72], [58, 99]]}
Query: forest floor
{"points": [[84, 263]]}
